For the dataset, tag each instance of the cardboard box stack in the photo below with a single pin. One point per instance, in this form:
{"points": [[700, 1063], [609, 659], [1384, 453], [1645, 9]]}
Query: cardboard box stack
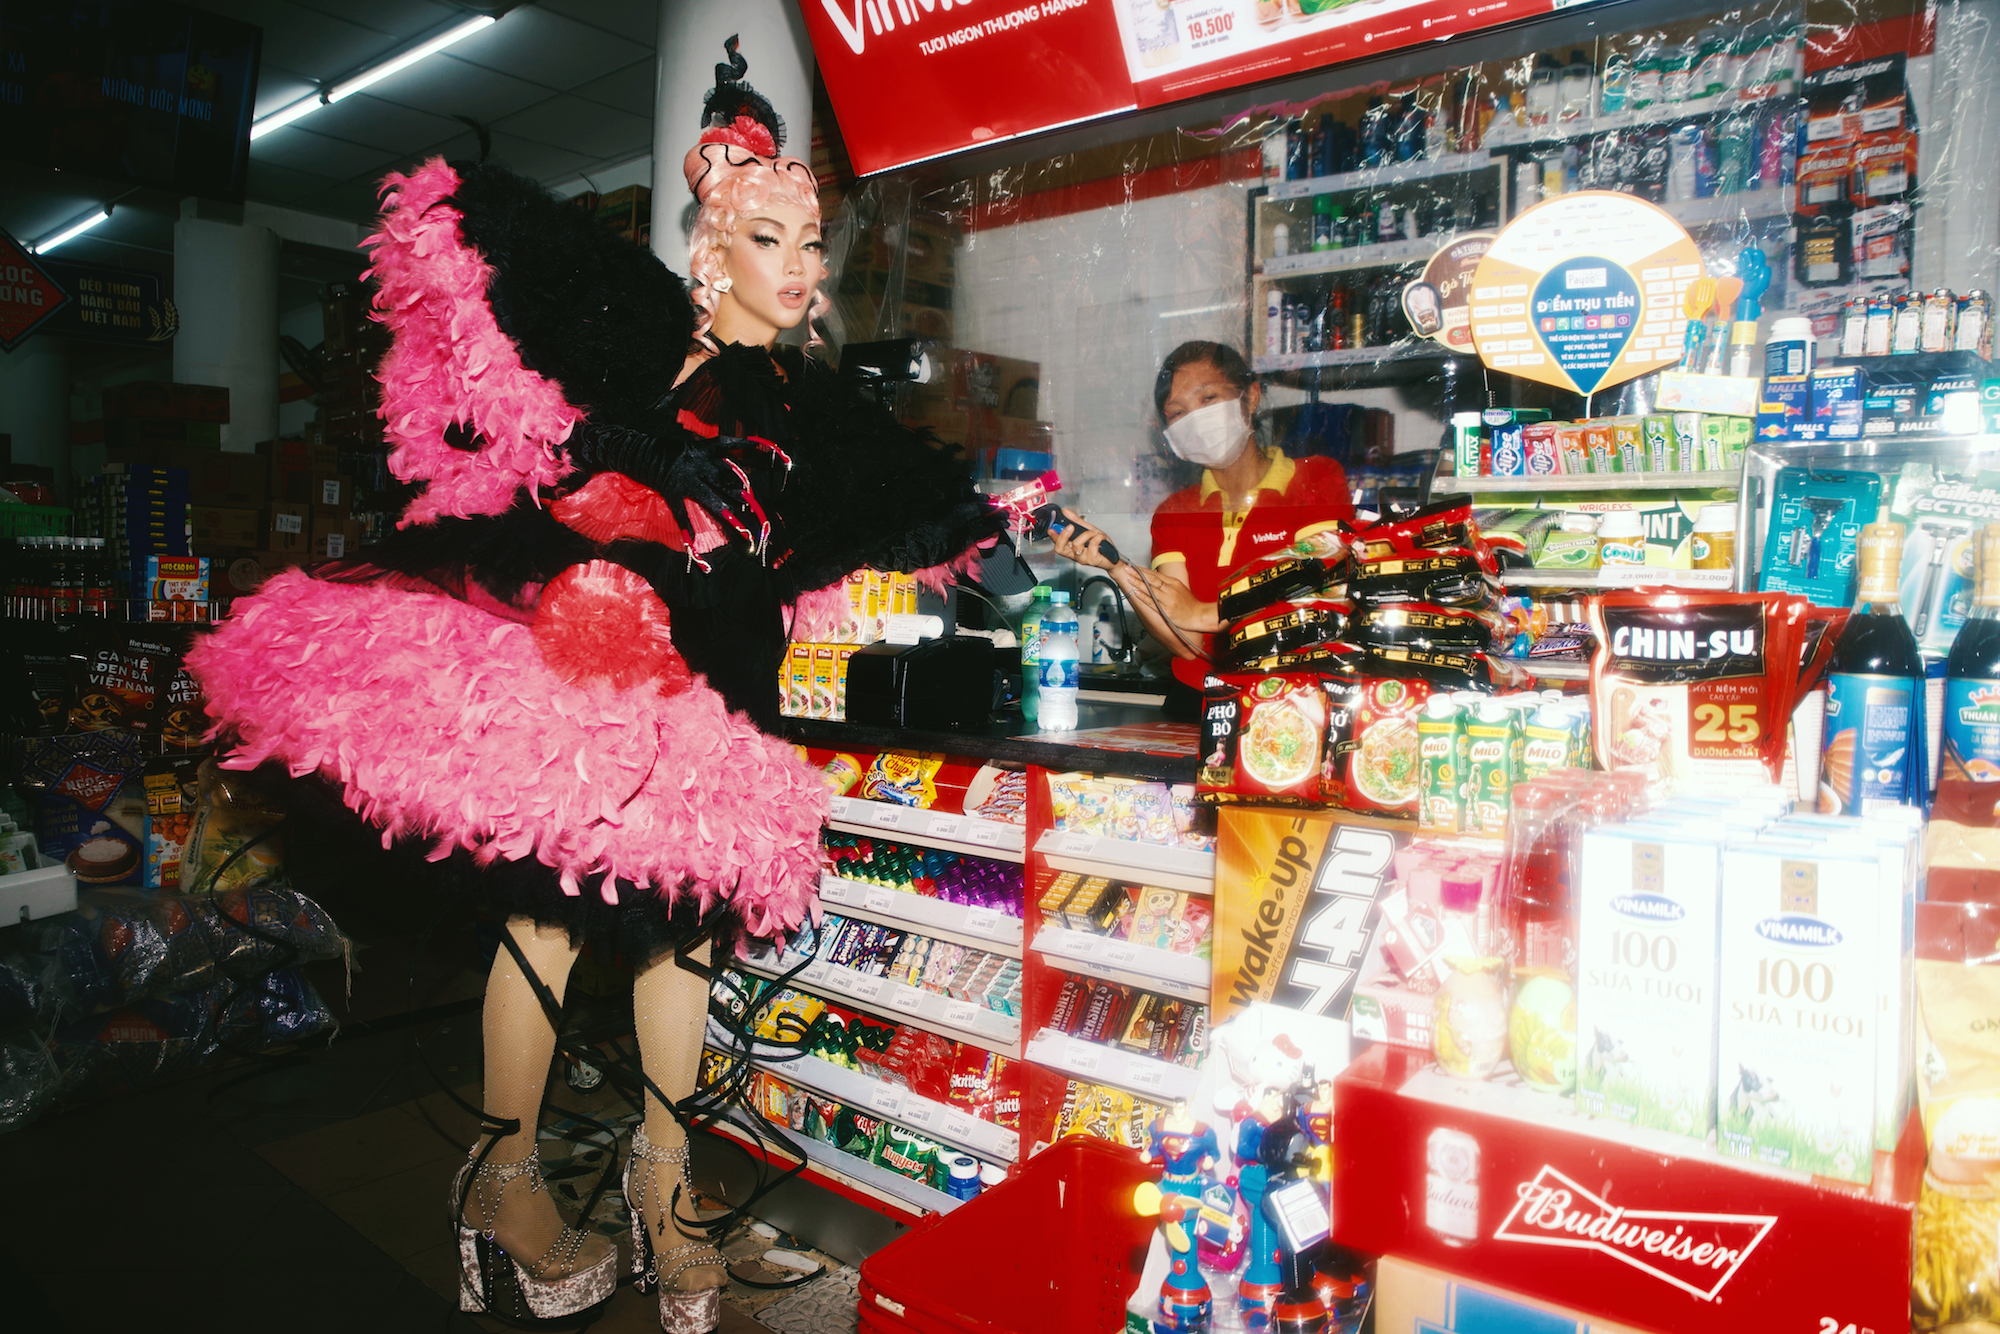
{"points": [[354, 345]]}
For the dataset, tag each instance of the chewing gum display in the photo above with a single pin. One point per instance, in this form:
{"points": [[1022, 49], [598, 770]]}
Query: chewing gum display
{"points": [[1646, 1002], [1695, 689]]}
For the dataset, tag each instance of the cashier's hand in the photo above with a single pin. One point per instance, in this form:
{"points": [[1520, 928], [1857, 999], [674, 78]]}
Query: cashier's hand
{"points": [[1080, 542], [1158, 595]]}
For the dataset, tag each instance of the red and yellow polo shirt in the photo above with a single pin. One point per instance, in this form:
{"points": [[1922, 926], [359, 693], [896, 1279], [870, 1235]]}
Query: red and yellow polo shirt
{"points": [[1294, 499]]}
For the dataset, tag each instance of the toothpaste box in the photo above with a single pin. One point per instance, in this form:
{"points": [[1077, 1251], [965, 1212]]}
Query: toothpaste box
{"points": [[1800, 988], [1898, 849], [1646, 977]]}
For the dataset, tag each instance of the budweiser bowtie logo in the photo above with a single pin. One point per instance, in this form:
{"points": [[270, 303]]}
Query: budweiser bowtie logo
{"points": [[1697, 1253]]}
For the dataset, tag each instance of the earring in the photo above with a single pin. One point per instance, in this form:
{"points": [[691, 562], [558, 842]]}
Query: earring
{"points": [[721, 284]]}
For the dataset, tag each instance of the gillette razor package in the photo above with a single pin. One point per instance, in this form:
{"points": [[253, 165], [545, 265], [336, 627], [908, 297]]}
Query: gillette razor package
{"points": [[1812, 547], [1941, 511]]}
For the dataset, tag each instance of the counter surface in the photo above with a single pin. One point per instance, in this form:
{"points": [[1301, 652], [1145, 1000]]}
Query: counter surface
{"points": [[1006, 738]]}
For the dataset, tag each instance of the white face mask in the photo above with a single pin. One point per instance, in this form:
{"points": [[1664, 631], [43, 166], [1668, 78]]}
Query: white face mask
{"points": [[1213, 436]]}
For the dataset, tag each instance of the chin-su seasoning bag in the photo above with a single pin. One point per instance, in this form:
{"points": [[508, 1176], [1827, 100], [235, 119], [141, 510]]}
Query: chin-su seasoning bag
{"points": [[1695, 689]]}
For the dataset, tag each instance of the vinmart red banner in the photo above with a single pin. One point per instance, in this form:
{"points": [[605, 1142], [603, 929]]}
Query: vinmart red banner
{"points": [[916, 79]]}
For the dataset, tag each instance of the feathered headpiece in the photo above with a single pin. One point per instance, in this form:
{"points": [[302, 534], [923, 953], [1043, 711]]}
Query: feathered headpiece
{"points": [[736, 113]]}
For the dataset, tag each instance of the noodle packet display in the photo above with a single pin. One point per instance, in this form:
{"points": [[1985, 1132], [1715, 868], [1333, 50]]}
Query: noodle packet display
{"points": [[1694, 690], [1375, 756], [1267, 583], [1448, 669], [1283, 627], [1427, 625], [1452, 576], [1264, 740], [1445, 523]]}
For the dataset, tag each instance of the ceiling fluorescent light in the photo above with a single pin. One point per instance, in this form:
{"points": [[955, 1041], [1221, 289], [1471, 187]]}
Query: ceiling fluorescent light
{"points": [[279, 119], [409, 57], [312, 102], [71, 232]]}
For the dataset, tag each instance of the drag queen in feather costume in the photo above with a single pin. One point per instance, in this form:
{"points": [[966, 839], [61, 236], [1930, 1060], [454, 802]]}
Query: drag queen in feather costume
{"points": [[551, 681]]}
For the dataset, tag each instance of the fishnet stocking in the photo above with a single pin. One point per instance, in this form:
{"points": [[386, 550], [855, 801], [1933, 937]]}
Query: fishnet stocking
{"points": [[519, 1044], [670, 1008]]}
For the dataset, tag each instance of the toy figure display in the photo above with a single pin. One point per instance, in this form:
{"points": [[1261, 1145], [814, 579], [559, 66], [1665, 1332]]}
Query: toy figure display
{"points": [[1244, 1219]]}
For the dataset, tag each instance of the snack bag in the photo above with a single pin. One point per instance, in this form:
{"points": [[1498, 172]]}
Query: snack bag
{"points": [[1452, 576], [1280, 741], [235, 841], [1271, 582], [1695, 689], [1426, 625], [905, 779], [1375, 759], [1281, 627]]}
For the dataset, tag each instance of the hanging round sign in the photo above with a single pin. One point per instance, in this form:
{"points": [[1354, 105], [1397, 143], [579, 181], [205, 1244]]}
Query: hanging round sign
{"points": [[1584, 291], [1439, 304]]}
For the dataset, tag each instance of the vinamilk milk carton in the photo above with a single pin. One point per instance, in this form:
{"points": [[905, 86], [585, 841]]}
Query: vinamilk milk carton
{"points": [[1898, 848], [1800, 1007], [1646, 1001]]}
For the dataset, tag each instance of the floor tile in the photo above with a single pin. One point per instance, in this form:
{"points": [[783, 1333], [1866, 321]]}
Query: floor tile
{"points": [[355, 1152], [403, 1214]]}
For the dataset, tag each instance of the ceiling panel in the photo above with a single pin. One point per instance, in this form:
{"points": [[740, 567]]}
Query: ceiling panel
{"points": [[405, 20], [285, 186], [637, 19], [629, 89], [300, 149], [447, 86], [278, 89], [542, 162], [546, 48], [354, 199], [583, 127], [320, 46], [362, 119]]}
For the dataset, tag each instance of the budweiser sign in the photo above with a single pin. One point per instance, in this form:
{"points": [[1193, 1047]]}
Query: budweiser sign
{"points": [[1697, 1253]]}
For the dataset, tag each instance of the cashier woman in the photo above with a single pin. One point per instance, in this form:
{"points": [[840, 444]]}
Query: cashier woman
{"points": [[1250, 502]]}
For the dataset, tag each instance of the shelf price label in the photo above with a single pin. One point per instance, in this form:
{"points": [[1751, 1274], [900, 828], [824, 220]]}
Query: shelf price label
{"points": [[958, 1125], [1077, 845], [920, 1112], [814, 975], [876, 899], [985, 833], [944, 826], [839, 807], [908, 999], [1082, 1058], [961, 1013], [1145, 1076], [1122, 956], [889, 817], [867, 988], [1073, 944], [885, 1100], [983, 921]]}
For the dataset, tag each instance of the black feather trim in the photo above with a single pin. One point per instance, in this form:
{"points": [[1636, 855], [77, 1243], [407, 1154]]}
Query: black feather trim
{"points": [[597, 314]]}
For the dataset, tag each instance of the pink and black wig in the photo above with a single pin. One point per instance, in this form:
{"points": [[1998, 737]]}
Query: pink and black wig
{"points": [[737, 168]]}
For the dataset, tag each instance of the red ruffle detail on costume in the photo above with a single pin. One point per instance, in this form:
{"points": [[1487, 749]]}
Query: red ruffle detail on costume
{"points": [[441, 721], [690, 422], [611, 506], [600, 622], [451, 365], [744, 132]]}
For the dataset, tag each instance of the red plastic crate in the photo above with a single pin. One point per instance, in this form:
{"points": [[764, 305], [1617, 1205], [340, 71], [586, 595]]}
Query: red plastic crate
{"points": [[1055, 1250]]}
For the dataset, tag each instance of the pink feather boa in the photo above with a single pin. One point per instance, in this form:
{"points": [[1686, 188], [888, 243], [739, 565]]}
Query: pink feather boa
{"points": [[451, 364], [441, 721]]}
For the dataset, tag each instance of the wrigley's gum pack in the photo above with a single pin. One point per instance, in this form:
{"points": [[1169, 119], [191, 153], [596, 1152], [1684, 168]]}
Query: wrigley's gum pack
{"points": [[1598, 447], [1687, 441], [1714, 442], [1657, 435], [1646, 1012], [1796, 1064], [1628, 442]]}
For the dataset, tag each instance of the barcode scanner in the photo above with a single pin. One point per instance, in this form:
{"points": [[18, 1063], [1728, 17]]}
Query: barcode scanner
{"points": [[1050, 521]]}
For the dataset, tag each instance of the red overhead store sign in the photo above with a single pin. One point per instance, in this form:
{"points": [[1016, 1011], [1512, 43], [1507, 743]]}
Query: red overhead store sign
{"points": [[28, 296], [1197, 47], [917, 79]]}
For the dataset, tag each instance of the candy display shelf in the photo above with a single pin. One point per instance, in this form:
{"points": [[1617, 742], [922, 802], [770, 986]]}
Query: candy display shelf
{"points": [[982, 928], [959, 1020], [965, 834], [1181, 975], [892, 1102], [1097, 1063], [854, 1177], [1184, 869]]}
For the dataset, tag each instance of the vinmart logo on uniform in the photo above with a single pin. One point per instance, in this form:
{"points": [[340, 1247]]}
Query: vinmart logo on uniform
{"points": [[1697, 1253]]}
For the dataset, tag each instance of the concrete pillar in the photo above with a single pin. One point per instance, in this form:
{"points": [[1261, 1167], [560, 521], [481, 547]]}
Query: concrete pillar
{"points": [[691, 37], [34, 405], [226, 287]]}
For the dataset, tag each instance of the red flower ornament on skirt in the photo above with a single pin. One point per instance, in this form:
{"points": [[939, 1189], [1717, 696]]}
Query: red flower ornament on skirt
{"points": [[600, 622]]}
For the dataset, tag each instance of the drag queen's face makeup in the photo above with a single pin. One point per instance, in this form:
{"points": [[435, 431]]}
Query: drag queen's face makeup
{"points": [[774, 263]]}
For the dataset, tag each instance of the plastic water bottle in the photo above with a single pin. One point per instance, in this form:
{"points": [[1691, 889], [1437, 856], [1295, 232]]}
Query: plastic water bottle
{"points": [[1031, 650], [1058, 667]]}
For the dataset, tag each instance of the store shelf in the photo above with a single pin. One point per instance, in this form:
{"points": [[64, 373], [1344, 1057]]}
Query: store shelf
{"points": [[1501, 135], [942, 1122], [982, 928], [1614, 481], [1555, 671], [1371, 178], [899, 1003], [1380, 255], [1147, 863], [1630, 576], [1142, 966], [1919, 367], [966, 834], [1352, 356], [1159, 1081], [1752, 204], [842, 1169]]}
